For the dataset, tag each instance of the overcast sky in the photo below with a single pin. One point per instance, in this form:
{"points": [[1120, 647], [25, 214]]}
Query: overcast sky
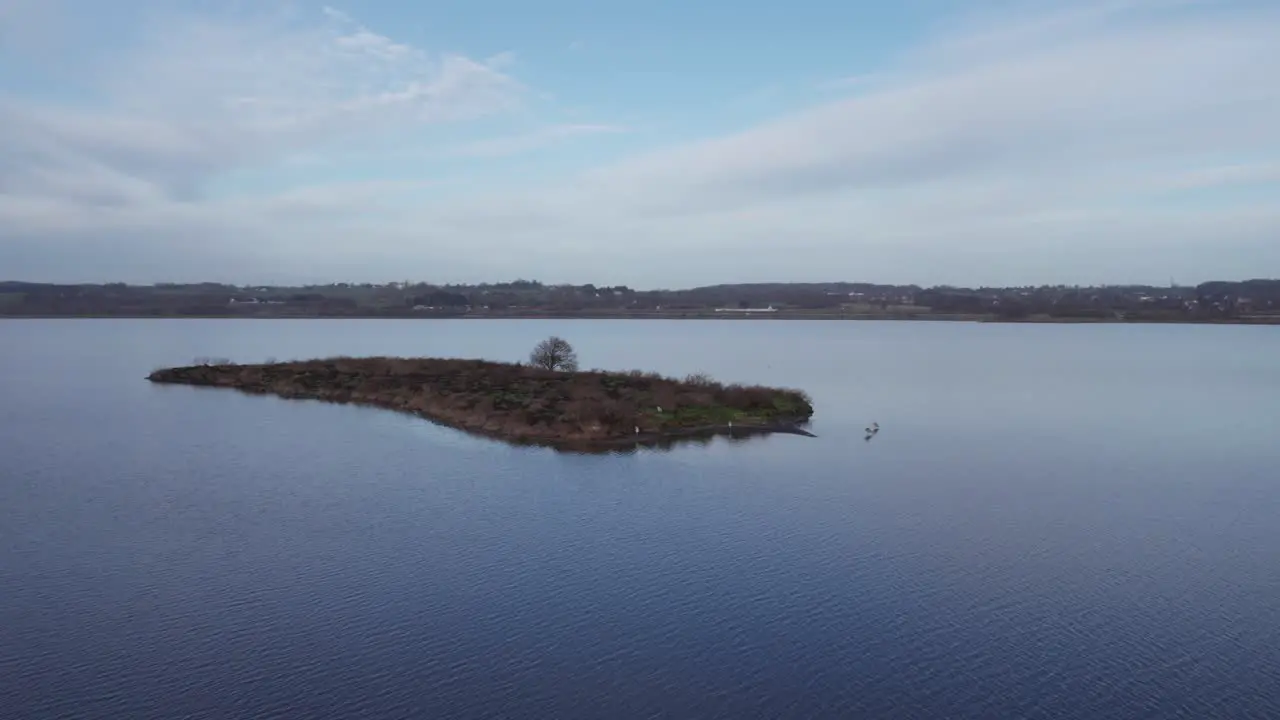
{"points": [[667, 144]]}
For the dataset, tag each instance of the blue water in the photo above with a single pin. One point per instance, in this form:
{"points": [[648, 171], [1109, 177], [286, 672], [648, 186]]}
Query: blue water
{"points": [[1054, 522]]}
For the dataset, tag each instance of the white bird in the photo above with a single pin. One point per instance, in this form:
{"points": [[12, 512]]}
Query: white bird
{"points": [[637, 429]]}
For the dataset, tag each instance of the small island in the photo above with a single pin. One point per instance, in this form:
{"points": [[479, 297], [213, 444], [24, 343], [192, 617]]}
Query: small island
{"points": [[522, 403]]}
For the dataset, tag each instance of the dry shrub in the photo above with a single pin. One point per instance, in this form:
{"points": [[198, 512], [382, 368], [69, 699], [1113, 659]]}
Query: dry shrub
{"points": [[399, 367], [748, 398], [644, 375], [484, 406], [700, 379], [666, 396]]}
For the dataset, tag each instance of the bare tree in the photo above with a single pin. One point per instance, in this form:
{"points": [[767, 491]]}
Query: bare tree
{"points": [[700, 379], [554, 353]]}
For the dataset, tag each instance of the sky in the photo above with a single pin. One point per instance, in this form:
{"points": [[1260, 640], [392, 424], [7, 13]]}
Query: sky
{"points": [[658, 144]]}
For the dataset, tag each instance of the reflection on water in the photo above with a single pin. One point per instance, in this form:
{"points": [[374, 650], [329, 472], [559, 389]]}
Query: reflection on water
{"points": [[701, 438]]}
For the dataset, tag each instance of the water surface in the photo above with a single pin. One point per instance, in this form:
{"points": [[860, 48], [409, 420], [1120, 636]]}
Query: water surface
{"points": [[1055, 521]]}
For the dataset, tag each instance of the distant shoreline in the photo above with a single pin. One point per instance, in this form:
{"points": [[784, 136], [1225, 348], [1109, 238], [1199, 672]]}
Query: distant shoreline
{"points": [[690, 315], [1249, 302]]}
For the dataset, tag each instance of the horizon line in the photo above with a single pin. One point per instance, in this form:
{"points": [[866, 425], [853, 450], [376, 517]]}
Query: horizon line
{"points": [[402, 284]]}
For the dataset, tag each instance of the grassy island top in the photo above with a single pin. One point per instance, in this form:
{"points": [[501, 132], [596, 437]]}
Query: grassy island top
{"points": [[516, 402]]}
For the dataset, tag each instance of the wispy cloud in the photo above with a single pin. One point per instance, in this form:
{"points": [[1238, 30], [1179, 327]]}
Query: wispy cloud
{"points": [[120, 180], [1080, 108], [286, 75], [207, 95]]}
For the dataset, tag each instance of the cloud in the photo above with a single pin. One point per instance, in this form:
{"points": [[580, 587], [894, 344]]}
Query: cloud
{"points": [[1056, 148], [1039, 146], [278, 75], [208, 95], [121, 179], [1084, 107]]}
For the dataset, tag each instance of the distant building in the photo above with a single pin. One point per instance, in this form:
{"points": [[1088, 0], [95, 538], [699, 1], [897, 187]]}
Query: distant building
{"points": [[747, 310]]}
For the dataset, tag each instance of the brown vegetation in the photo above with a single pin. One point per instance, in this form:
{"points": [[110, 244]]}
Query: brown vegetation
{"points": [[518, 402]]}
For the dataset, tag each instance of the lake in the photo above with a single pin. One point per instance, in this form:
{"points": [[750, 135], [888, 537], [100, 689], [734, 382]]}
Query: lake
{"points": [[1055, 521]]}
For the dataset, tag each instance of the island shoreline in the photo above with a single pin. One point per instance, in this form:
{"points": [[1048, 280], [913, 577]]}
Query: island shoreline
{"points": [[572, 411]]}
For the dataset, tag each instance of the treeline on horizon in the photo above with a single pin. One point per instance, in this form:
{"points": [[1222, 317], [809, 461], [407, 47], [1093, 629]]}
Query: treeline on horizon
{"points": [[1214, 299]]}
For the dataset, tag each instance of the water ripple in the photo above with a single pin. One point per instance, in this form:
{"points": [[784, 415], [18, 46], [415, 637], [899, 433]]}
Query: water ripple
{"points": [[1075, 554]]}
